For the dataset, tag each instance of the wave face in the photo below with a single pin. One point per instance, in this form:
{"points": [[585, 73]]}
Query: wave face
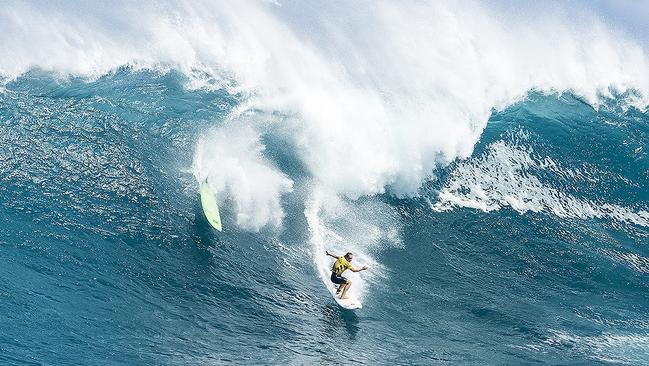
{"points": [[490, 167]]}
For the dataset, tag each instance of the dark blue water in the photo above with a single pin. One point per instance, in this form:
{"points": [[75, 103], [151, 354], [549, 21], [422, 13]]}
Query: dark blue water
{"points": [[107, 259]]}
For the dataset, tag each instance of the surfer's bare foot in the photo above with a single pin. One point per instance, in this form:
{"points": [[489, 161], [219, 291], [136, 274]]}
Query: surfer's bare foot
{"points": [[344, 297]]}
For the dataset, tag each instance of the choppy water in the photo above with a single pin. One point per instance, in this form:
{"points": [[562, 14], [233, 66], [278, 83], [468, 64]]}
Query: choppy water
{"points": [[505, 225]]}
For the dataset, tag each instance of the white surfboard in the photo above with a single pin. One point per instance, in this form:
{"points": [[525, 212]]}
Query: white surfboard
{"points": [[350, 304]]}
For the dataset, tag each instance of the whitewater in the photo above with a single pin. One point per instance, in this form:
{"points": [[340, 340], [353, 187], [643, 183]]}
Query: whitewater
{"points": [[487, 161]]}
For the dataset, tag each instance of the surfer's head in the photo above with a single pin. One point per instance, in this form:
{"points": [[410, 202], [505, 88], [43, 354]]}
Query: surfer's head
{"points": [[349, 256]]}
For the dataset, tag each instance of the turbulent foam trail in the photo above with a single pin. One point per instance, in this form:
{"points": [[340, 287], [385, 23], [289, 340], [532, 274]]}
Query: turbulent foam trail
{"points": [[336, 226], [323, 239]]}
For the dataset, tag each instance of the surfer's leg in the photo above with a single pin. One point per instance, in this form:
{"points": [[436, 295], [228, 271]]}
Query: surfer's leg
{"points": [[343, 282], [345, 289]]}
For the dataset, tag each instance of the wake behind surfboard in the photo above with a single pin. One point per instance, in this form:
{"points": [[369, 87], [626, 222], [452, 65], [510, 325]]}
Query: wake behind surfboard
{"points": [[210, 208]]}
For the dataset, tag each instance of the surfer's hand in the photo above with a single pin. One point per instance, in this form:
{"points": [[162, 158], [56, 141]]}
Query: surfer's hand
{"points": [[364, 268]]}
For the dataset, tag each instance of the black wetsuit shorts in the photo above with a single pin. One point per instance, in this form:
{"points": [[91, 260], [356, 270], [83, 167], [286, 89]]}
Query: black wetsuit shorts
{"points": [[338, 279]]}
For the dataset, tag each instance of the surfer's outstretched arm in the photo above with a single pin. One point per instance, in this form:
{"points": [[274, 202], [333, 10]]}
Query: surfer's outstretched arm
{"points": [[331, 255], [358, 269]]}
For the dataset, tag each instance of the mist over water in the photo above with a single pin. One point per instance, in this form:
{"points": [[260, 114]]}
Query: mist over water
{"points": [[487, 162]]}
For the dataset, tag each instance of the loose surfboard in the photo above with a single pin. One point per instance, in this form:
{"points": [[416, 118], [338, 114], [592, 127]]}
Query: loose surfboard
{"points": [[210, 208], [350, 304]]}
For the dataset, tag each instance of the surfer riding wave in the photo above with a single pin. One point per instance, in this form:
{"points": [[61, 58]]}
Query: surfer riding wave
{"points": [[342, 264]]}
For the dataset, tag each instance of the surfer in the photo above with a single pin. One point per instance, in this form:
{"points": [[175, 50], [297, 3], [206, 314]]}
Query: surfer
{"points": [[341, 265]]}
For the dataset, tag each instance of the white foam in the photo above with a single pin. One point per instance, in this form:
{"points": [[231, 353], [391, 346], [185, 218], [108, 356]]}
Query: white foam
{"points": [[503, 176], [384, 91], [232, 161]]}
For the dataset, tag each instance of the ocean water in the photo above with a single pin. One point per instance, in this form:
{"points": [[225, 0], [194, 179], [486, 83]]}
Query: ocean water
{"points": [[490, 167]]}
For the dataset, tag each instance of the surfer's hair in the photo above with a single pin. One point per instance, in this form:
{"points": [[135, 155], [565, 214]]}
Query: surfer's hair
{"points": [[348, 254]]}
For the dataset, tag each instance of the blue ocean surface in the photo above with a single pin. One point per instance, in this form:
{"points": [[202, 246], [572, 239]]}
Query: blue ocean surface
{"points": [[520, 239]]}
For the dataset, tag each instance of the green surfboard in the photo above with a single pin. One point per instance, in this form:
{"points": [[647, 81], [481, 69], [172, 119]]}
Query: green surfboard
{"points": [[210, 208]]}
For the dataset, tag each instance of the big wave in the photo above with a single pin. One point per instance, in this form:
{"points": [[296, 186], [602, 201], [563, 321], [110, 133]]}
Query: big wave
{"points": [[372, 97]]}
